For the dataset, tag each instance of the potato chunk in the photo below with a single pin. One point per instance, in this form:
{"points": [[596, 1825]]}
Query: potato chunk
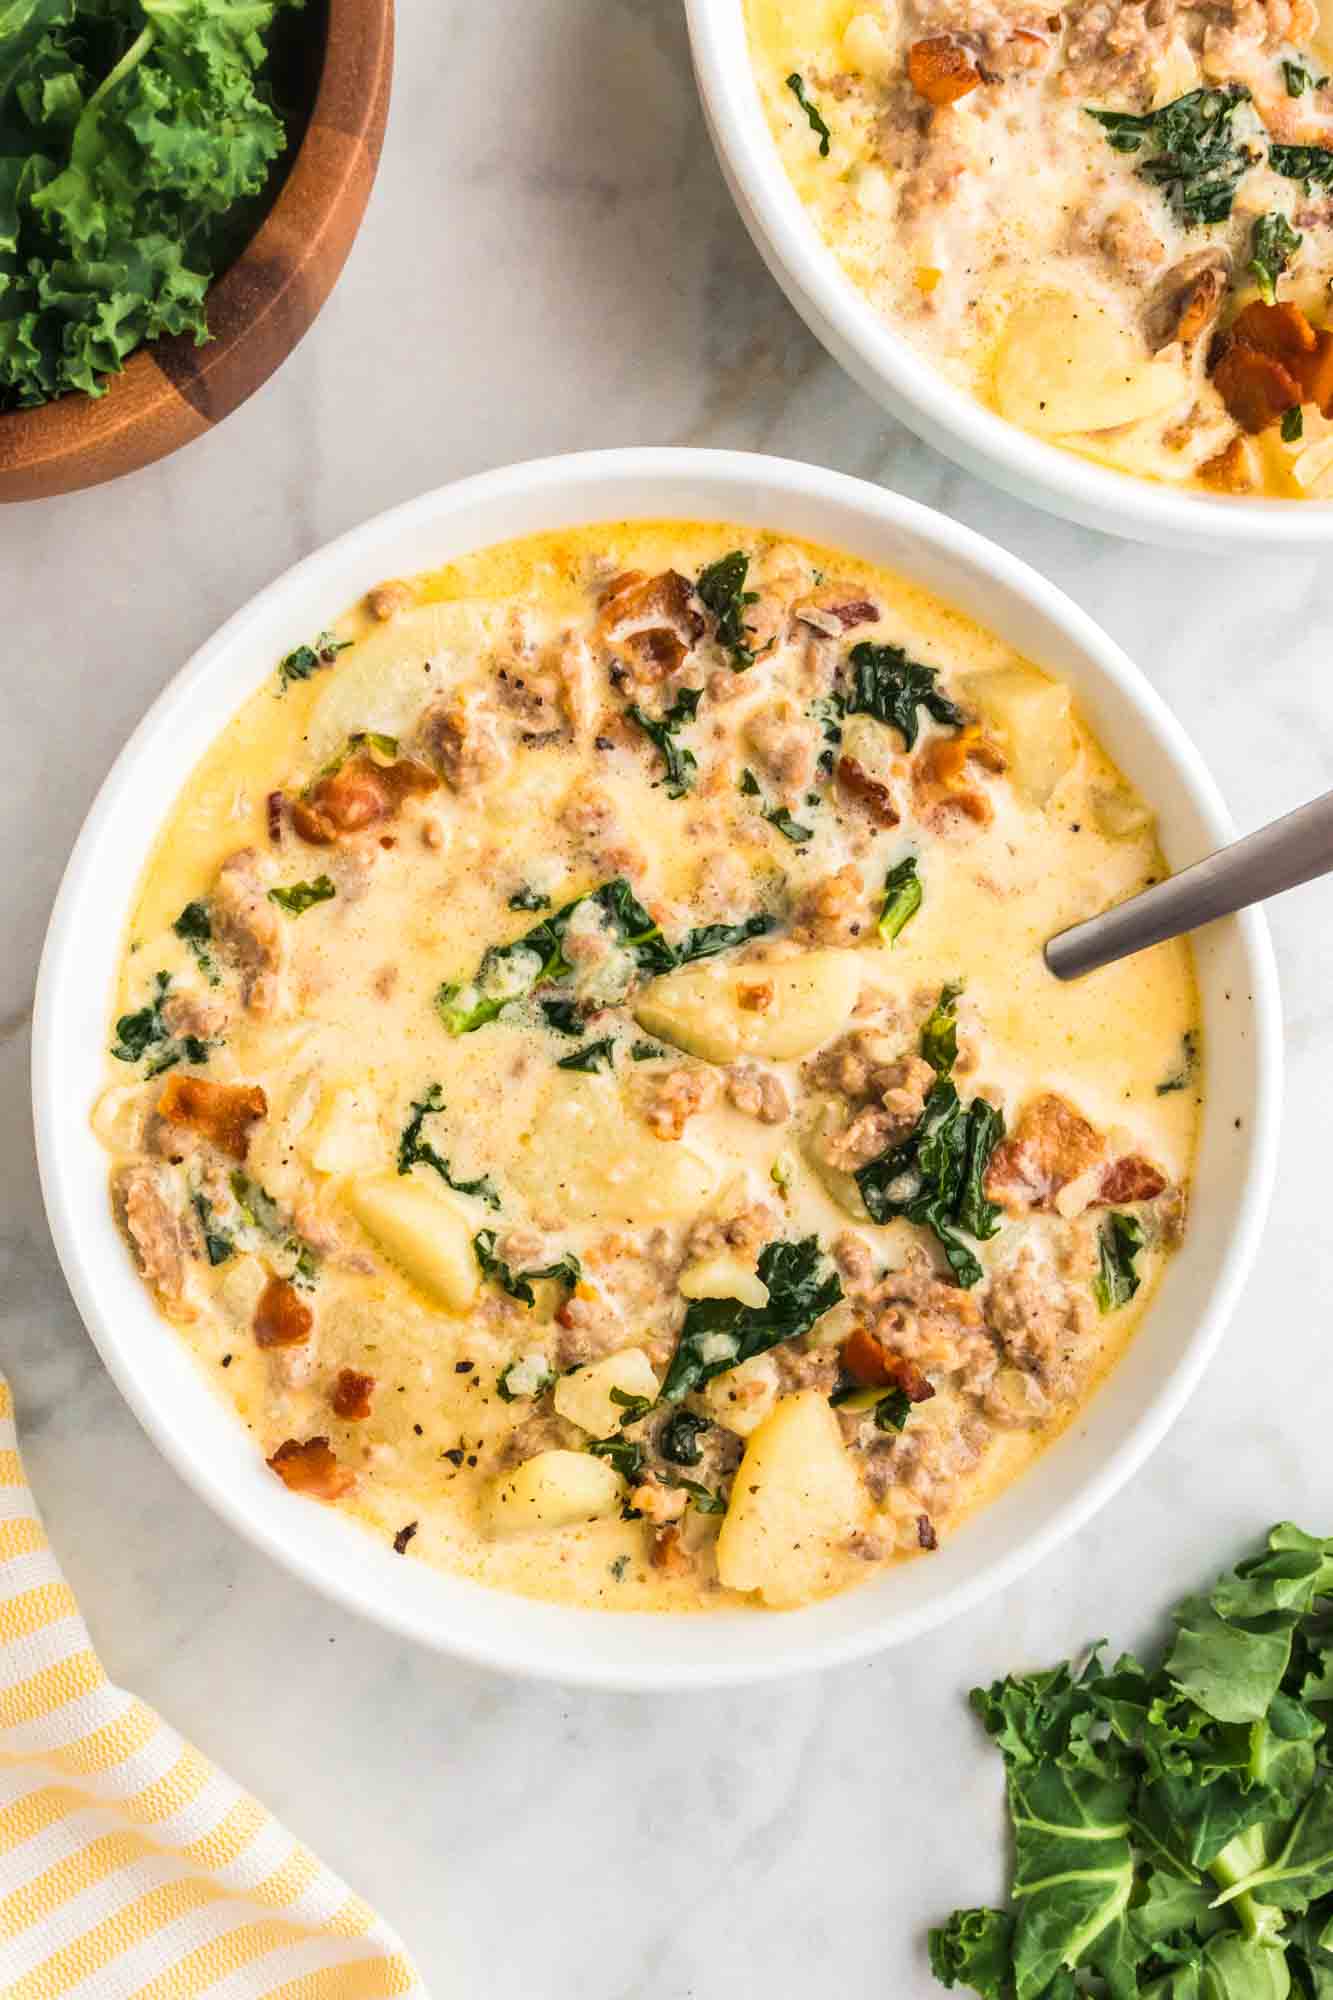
{"points": [[346, 1134], [556, 1489], [781, 1010], [1069, 363], [1034, 719], [585, 1396], [424, 1233], [795, 1501], [723, 1278], [584, 1157], [378, 685]]}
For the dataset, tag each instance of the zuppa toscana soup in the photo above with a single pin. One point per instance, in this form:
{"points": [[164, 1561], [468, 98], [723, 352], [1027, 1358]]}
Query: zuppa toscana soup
{"points": [[1111, 221], [584, 1083]]}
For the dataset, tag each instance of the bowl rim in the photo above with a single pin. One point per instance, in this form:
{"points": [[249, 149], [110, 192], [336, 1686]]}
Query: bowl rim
{"points": [[621, 474], [169, 392], [891, 371]]}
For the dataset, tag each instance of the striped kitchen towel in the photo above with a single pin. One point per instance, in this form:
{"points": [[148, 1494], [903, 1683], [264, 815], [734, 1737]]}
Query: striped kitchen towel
{"points": [[129, 1865]]}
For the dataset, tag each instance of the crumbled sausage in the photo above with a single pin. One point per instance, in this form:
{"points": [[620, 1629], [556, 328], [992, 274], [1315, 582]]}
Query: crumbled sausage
{"points": [[745, 1232], [759, 1093], [832, 911], [1043, 1323], [460, 735], [672, 1100], [160, 1237], [786, 747], [248, 930]]}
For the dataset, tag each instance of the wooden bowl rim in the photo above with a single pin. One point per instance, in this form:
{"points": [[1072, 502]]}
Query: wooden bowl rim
{"points": [[50, 440]]}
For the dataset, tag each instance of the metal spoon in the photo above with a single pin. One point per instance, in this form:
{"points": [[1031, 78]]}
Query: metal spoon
{"points": [[1281, 856]]}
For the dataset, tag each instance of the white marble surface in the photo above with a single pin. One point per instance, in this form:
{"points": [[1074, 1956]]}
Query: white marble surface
{"points": [[550, 261]]}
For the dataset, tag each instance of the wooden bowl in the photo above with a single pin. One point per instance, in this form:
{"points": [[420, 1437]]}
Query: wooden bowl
{"points": [[172, 391]]}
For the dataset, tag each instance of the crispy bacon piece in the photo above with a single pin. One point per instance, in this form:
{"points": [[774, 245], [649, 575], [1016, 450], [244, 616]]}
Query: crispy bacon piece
{"points": [[651, 622], [352, 1394], [1131, 1178], [1281, 330], [834, 609], [669, 1552], [939, 775], [1051, 1145], [1231, 470], [867, 791], [273, 807], [359, 794], [222, 1112], [941, 71], [925, 1532], [1256, 389], [868, 1361], [1270, 361], [310, 1467], [282, 1317]]}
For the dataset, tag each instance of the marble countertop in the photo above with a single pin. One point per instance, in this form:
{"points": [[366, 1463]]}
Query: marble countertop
{"points": [[550, 261]]}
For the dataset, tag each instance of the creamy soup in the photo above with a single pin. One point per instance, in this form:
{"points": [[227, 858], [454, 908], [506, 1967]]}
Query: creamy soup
{"points": [[1111, 222], [584, 1082]]}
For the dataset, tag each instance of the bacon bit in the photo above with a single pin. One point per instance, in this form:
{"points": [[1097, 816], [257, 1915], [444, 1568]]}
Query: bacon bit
{"points": [[940, 770], [311, 1468], [864, 790], [868, 1361], [925, 1532], [357, 795], [282, 1317], [1131, 1179], [1231, 470], [1256, 389], [652, 621], [222, 1112], [1281, 330], [670, 1553], [352, 1393], [941, 71], [829, 611], [1315, 373], [274, 804], [1270, 361], [756, 999], [1051, 1145], [403, 1537]]}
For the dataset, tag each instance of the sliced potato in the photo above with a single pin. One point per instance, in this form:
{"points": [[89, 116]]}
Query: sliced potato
{"points": [[426, 1234], [585, 1396], [345, 1134], [781, 1010], [794, 1503], [585, 1156], [1118, 812], [1068, 363], [556, 1489], [1034, 719], [742, 1398], [723, 1278], [379, 683]]}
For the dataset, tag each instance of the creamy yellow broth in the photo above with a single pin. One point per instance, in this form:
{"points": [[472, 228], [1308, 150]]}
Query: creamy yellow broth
{"points": [[745, 1089], [1034, 264]]}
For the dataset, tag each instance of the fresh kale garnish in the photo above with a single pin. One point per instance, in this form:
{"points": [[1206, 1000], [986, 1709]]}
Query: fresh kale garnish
{"points": [[709, 939], [1189, 1062], [592, 1056], [892, 687], [796, 85], [678, 1439], [1273, 244], [936, 1176], [415, 1150], [194, 928], [563, 1017], [303, 896], [902, 899], [720, 1333], [632, 1407], [1197, 162], [519, 1284], [512, 971], [1298, 79], [1292, 426], [705, 1502], [681, 764], [645, 1051], [789, 828], [749, 786], [529, 899], [1172, 1824], [721, 589], [893, 1410], [217, 1243], [527, 1376], [1311, 164], [1118, 1244], [134, 137], [303, 661], [621, 1452], [144, 1036], [260, 1212]]}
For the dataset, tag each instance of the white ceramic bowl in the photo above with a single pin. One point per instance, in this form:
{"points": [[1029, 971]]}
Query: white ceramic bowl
{"points": [[896, 375], [159, 1377]]}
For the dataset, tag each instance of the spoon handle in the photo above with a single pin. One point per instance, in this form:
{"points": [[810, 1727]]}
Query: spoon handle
{"points": [[1292, 850]]}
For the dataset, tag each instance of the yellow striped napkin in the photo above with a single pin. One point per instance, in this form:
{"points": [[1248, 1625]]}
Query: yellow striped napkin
{"points": [[130, 1867]]}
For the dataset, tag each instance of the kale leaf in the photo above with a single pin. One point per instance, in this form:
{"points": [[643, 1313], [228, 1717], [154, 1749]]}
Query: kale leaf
{"points": [[678, 1440], [592, 1056], [975, 1948], [144, 1036], [719, 1333], [194, 928], [529, 899], [934, 1177], [939, 1035], [519, 1284], [789, 828], [796, 85], [681, 764], [705, 1502], [1273, 244], [1311, 164], [303, 896], [892, 687], [621, 1452], [563, 1017], [414, 1150], [303, 661], [217, 1243], [1197, 163], [1118, 1244], [1189, 1062], [902, 899], [721, 589], [709, 939]]}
